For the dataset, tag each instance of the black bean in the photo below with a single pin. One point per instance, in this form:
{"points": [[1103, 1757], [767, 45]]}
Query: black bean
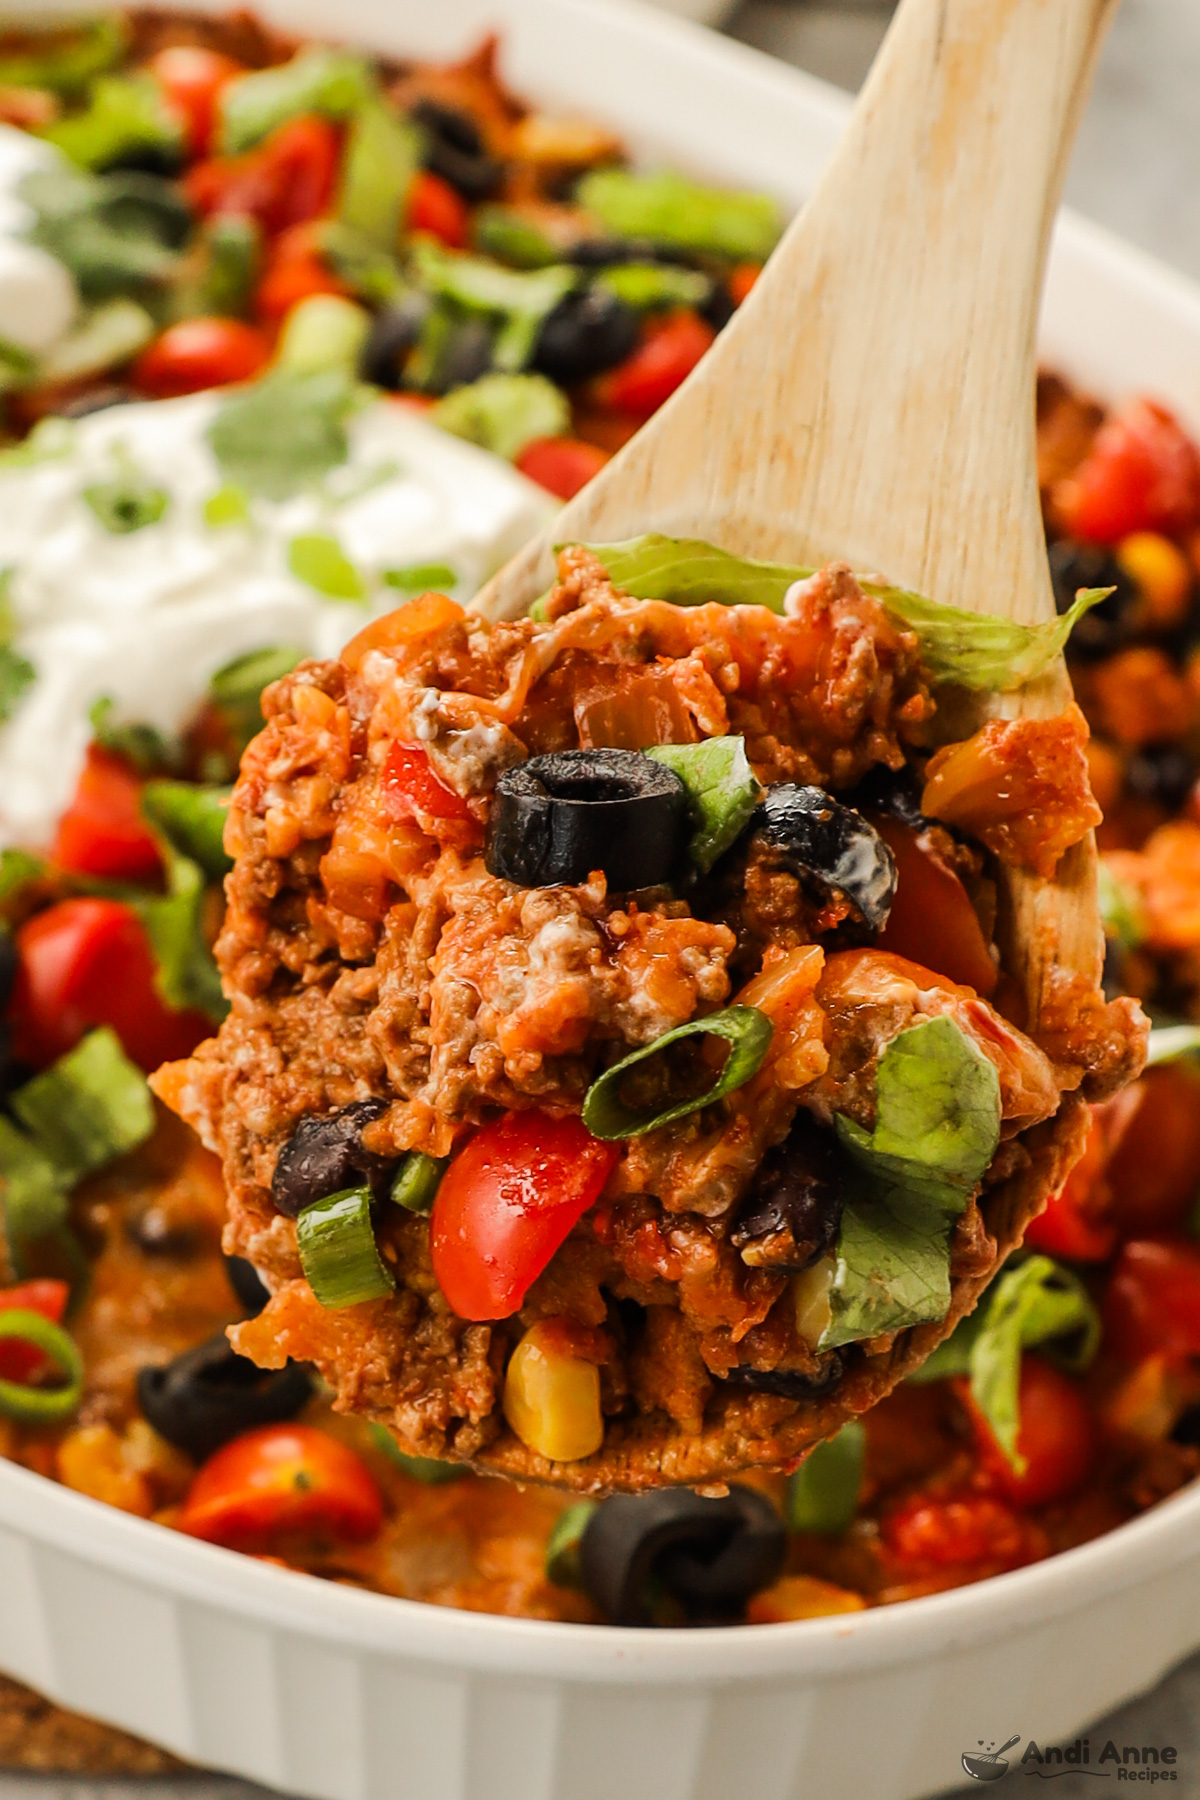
{"points": [[392, 335], [210, 1395], [793, 1212], [709, 1556], [325, 1155], [247, 1284], [466, 356], [1107, 626], [587, 332], [831, 848], [556, 818], [454, 149], [610, 252], [791, 1384]]}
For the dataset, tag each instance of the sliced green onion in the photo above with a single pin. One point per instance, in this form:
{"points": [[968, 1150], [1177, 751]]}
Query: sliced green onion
{"points": [[87, 1108], [669, 209], [562, 1546], [382, 155], [1169, 1042], [325, 331], [33, 1190], [646, 285], [748, 1032], [319, 561], [429, 1470], [417, 1181], [41, 1405], [338, 1252], [126, 504], [823, 1494], [421, 577], [722, 789], [229, 505], [498, 231]]}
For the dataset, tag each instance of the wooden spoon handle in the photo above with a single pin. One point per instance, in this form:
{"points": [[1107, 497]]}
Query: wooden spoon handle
{"points": [[873, 398]]}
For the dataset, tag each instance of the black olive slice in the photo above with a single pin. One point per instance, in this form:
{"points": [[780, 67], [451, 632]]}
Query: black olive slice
{"points": [[247, 1284], [556, 818], [455, 150], [586, 333], [709, 1555], [793, 1211], [1104, 628], [791, 1384], [830, 847], [325, 1155], [392, 335], [210, 1395], [893, 792]]}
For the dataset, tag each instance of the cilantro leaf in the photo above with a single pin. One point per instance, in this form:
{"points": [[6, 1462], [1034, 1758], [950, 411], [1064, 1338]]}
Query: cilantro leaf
{"points": [[320, 562], [285, 433]]}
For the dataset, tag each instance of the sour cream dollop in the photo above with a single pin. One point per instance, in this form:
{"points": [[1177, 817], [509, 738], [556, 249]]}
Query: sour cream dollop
{"points": [[147, 618], [38, 302]]}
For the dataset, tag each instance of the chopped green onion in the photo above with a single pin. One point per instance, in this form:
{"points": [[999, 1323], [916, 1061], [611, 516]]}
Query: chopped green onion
{"points": [[669, 209], [126, 504], [519, 298], [41, 1405], [143, 745], [562, 1546], [229, 505], [126, 114], [748, 1032], [429, 1470], [417, 1180], [338, 1252], [88, 1107], [421, 577], [334, 83], [185, 971], [500, 232], [1169, 1042], [369, 271], [33, 1190], [722, 789], [822, 1495], [382, 154], [110, 335], [646, 285], [192, 817], [324, 331], [320, 562], [503, 413]]}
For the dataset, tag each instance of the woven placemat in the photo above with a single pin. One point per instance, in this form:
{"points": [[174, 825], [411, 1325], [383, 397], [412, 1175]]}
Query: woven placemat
{"points": [[38, 1736]]}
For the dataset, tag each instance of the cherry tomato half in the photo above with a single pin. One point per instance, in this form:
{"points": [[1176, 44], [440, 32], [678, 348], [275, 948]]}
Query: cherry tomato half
{"points": [[1153, 1299], [561, 465], [434, 206], [1056, 1435], [282, 1481], [85, 963], [1142, 473], [20, 1361], [287, 179], [191, 78], [103, 832], [932, 920], [410, 789], [1077, 1223], [955, 1531], [506, 1204], [670, 349], [1155, 1168], [200, 353]]}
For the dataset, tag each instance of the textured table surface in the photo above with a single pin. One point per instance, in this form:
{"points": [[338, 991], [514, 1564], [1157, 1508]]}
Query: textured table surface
{"points": [[1137, 170]]}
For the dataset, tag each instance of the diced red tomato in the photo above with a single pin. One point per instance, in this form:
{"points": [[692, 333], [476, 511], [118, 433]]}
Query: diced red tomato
{"points": [[289, 280], [561, 465], [410, 790], [200, 353], [282, 1481], [670, 349], [103, 832], [1153, 1299], [1077, 1224], [85, 963], [1056, 1435], [1154, 1174], [956, 1531], [507, 1203], [742, 279], [1142, 473], [434, 206], [191, 78], [20, 1361], [932, 920], [286, 180]]}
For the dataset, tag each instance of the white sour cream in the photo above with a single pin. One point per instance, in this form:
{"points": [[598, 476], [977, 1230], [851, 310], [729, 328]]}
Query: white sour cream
{"points": [[147, 618], [38, 302]]}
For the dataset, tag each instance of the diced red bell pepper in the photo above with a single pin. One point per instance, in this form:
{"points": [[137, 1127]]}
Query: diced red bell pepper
{"points": [[561, 465], [1056, 1435], [20, 1361], [282, 1481], [507, 1203], [287, 179], [1142, 473], [671, 347], [410, 789], [103, 832], [85, 963], [434, 206]]}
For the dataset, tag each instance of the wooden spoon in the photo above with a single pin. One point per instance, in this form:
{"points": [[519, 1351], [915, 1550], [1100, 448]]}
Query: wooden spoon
{"points": [[873, 397]]}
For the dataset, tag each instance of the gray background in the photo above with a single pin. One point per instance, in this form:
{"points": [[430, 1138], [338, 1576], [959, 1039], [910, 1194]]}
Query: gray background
{"points": [[1136, 170]]}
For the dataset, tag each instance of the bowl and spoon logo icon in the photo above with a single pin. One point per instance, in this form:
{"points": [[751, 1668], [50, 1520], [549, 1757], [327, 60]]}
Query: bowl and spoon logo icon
{"points": [[989, 1764]]}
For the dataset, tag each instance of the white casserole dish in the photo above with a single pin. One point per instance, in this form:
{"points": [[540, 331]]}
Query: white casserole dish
{"points": [[343, 1695]]}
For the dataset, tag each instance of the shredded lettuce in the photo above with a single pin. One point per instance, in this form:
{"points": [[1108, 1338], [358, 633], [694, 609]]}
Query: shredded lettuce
{"points": [[936, 1129], [822, 1496], [503, 413], [126, 115], [669, 209], [1035, 1303], [647, 285], [145, 746], [976, 650], [334, 83], [185, 973], [722, 790], [192, 817], [382, 156], [66, 55]]}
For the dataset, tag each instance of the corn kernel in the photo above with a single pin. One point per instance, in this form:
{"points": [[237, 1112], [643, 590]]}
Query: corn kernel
{"points": [[801, 1597], [810, 1298], [1161, 573], [92, 1461], [552, 1399]]}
